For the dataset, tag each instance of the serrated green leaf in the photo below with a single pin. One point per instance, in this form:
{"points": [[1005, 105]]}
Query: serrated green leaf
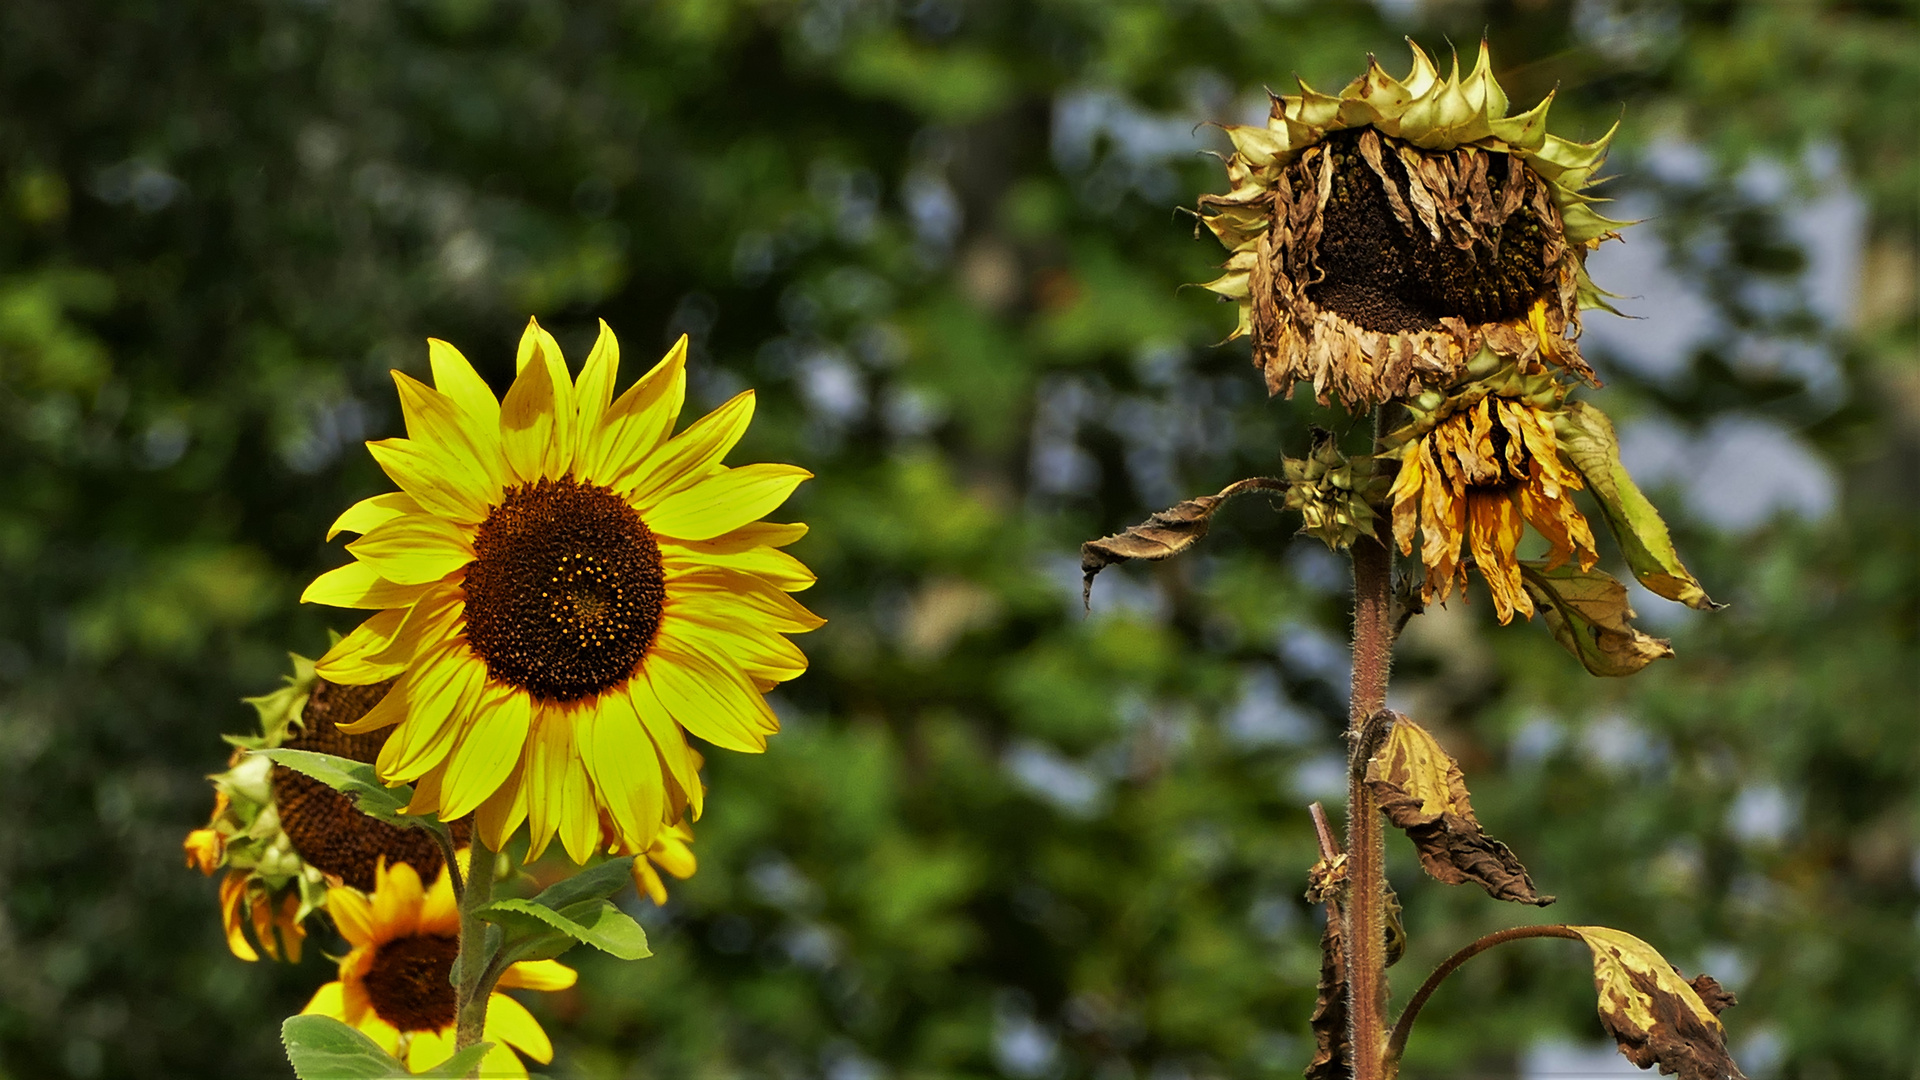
{"points": [[461, 1064], [596, 883], [1587, 611], [1587, 438], [595, 922], [323, 1048], [357, 780]]}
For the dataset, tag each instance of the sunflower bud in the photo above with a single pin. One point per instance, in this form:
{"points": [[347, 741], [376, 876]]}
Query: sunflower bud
{"points": [[1334, 493], [1384, 238]]}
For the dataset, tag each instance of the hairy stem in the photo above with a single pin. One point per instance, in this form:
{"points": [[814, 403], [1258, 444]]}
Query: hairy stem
{"points": [[471, 989], [1366, 907], [453, 864], [1397, 1044]]}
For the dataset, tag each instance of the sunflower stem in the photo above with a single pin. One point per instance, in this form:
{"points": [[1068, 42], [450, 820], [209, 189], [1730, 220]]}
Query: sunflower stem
{"points": [[1366, 906], [1397, 1044], [471, 990]]}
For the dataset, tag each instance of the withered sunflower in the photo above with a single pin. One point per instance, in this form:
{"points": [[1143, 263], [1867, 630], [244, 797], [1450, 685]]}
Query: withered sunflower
{"points": [[394, 982], [283, 837], [564, 586], [1381, 237], [1473, 481]]}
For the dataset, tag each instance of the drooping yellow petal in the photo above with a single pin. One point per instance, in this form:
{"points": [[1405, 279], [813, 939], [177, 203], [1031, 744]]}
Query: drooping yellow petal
{"points": [[625, 770], [362, 516], [688, 456], [429, 622], [636, 424], [760, 653], [506, 808], [488, 749], [579, 815], [356, 585], [539, 975], [724, 501], [455, 494], [710, 699], [454, 377], [729, 594], [350, 662], [417, 549], [509, 1021], [776, 567], [439, 691], [549, 749], [233, 898], [668, 742], [427, 786]]}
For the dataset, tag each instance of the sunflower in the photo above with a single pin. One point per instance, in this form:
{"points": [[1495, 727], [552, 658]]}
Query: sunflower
{"points": [[564, 588], [282, 836], [1472, 483], [1380, 238], [394, 982]]}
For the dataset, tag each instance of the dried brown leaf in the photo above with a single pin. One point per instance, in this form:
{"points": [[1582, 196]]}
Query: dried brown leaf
{"points": [[1657, 1017], [1165, 534], [1422, 791], [1331, 1050], [1587, 612]]}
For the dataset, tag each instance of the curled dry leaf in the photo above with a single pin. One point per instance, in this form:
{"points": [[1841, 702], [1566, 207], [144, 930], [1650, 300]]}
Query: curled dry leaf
{"points": [[1325, 884], [1422, 791], [1587, 611], [1657, 1017], [1587, 438], [1165, 534]]}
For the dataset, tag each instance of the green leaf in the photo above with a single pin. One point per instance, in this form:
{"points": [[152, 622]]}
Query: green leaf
{"points": [[323, 1048], [595, 922], [1586, 435], [1587, 611], [597, 883], [461, 1064], [358, 780]]}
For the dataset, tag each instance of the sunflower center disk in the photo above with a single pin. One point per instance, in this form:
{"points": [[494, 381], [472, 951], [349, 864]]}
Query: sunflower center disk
{"points": [[408, 983], [1382, 267], [565, 590]]}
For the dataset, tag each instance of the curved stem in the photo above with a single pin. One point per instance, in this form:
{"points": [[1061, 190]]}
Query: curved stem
{"points": [[1401, 1028]]}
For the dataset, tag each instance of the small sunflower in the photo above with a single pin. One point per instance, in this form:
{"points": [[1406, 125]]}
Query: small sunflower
{"points": [[1473, 481], [282, 836], [395, 983], [1380, 238], [672, 851], [564, 587]]}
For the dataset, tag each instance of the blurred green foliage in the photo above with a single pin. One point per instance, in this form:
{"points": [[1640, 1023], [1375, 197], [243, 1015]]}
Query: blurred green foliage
{"points": [[998, 837]]}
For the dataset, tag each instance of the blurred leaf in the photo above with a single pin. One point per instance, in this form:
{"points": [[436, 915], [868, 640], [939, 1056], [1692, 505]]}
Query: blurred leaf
{"points": [[323, 1048], [1657, 1017], [1587, 612], [594, 922]]}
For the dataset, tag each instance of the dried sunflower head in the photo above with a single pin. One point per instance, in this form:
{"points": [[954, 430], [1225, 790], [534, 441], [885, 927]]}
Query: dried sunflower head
{"points": [[1382, 237]]}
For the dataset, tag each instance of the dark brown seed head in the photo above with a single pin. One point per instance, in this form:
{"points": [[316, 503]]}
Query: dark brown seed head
{"points": [[565, 590], [1388, 274], [321, 823], [408, 983]]}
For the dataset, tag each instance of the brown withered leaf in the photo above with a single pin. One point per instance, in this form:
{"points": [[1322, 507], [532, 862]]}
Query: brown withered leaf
{"points": [[1657, 1017], [1330, 1045], [1165, 534], [1587, 612], [1422, 791]]}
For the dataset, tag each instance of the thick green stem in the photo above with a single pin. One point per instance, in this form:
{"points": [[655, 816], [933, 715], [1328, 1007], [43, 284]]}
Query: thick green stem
{"points": [[1397, 1044], [472, 988], [1366, 906]]}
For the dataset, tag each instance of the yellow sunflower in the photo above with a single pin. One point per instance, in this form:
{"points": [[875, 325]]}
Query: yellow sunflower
{"points": [[565, 587], [394, 983], [1473, 483]]}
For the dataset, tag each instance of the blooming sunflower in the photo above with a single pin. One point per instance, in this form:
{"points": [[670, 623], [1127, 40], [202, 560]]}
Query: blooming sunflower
{"points": [[1473, 482], [564, 589], [395, 983], [283, 836], [1380, 238]]}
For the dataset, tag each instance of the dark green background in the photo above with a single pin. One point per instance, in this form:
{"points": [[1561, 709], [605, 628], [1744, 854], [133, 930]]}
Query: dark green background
{"points": [[223, 222]]}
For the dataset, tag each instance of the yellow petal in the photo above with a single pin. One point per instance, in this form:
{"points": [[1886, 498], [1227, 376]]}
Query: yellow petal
{"points": [[396, 902], [579, 817], [356, 585], [548, 751], [326, 1001], [754, 534], [427, 787], [429, 622], [391, 709], [527, 422], [350, 662], [509, 1021], [668, 742], [502, 1063], [636, 424], [438, 488], [591, 397], [775, 567], [488, 749], [557, 457], [362, 516], [741, 596], [417, 549], [539, 975], [724, 501], [454, 377], [233, 899], [440, 912], [711, 700], [430, 1048], [760, 653], [437, 423], [506, 808], [625, 770], [646, 880], [688, 456], [440, 692], [353, 914]]}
